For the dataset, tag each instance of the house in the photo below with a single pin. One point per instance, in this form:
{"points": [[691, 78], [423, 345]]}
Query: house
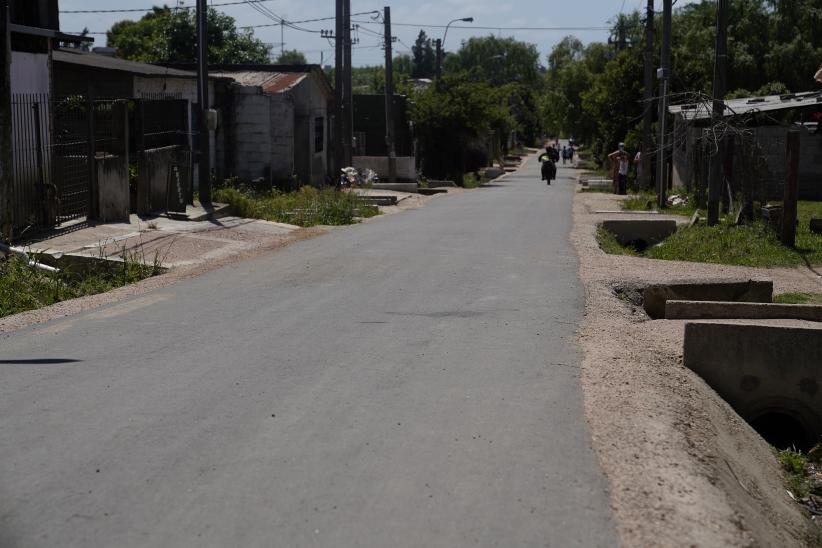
{"points": [[276, 120], [35, 33], [756, 146], [370, 148]]}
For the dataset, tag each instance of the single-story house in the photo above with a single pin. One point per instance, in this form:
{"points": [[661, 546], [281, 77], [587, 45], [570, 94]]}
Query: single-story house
{"points": [[766, 121], [276, 120]]}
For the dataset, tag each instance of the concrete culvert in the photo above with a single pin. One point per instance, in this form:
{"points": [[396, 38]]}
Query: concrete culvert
{"points": [[770, 374], [784, 431]]}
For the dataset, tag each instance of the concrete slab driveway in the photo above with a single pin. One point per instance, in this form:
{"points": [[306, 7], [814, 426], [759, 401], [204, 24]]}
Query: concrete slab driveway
{"points": [[410, 381]]}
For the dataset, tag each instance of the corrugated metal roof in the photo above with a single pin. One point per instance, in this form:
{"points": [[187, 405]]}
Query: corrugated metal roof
{"points": [[103, 62], [270, 82], [736, 107]]}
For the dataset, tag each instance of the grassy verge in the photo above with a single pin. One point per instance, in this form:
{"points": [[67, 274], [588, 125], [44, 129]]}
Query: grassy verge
{"points": [[753, 245], [610, 245], [646, 201], [305, 207], [471, 180], [798, 298], [25, 288]]}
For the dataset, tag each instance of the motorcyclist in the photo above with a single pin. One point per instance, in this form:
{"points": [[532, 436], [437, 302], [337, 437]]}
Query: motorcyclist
{"points": [[549, 163]]}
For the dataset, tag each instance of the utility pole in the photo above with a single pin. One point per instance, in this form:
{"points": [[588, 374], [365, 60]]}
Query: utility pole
{"points": [[389, 98], [663, 74], [339, 153], [204, 152], [438, 50], [6, 186], [282, 38], [348, 114], [648, 99], [717, 178]]}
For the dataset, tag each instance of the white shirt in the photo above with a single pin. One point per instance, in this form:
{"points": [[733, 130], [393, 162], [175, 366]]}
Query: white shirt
{"points": [[623, 166]]}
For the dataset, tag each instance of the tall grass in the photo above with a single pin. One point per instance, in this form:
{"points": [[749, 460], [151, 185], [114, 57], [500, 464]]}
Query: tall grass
{"points": [[305, 207], [23, 287]]}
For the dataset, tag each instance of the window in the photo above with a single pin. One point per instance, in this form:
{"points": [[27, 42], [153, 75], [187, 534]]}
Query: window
{"points": [[319, 134]]}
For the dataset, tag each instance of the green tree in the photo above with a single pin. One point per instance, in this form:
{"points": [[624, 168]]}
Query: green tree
{"points": [[291, 57], [452, 121], [169, 35], [423, 57]]}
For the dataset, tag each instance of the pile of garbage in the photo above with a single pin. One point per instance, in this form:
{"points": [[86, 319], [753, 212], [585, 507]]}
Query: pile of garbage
{"points": [[675, 200]]}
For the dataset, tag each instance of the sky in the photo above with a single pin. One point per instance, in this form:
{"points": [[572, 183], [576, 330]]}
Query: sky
{"points": [[585, 19]]}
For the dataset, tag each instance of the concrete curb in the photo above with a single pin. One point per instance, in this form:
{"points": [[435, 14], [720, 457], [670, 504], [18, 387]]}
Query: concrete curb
{"points": [[721, 310]]}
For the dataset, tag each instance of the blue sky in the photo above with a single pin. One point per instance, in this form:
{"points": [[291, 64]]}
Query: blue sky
{"points": [[486, 13]]}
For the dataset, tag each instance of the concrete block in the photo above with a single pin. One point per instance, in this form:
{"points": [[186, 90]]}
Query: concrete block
{"points": [[655, 296], [398, 187], [114, 198], [762, 371], [719, 310], [493, 172], [640, 232]]}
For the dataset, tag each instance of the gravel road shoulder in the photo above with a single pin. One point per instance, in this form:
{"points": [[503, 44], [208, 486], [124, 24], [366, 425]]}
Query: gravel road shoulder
{"points": [[685, 469]]}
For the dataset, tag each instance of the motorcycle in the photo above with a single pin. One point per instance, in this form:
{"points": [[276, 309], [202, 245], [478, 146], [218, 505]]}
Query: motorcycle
{"points": [[548, 169]]}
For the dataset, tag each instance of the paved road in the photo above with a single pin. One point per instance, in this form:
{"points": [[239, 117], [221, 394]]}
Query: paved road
{"points": [[411, 381]]}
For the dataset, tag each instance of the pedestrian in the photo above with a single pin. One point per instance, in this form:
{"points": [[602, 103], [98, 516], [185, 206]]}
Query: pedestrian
{"points": [[564, 154], [638, 163], [571, 152], [620, 161]]}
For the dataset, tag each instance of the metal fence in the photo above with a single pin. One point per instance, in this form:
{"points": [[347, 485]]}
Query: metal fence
{"points": [[56, 145]]}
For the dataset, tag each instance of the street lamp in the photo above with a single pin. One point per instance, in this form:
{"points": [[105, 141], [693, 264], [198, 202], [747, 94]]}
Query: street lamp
{"points": [[441, 43], [463, 19]]}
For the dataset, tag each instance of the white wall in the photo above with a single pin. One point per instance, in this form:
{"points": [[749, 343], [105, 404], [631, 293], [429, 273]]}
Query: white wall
{"points": [[30, 72]]}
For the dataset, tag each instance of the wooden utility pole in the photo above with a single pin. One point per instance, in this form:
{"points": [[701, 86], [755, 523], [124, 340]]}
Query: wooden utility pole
{"points": [[204, 142], [6, 180], [791, 190], [663, 74], [648, 99], [339, 154], [348, 113], [389, 98], [716, 176]]}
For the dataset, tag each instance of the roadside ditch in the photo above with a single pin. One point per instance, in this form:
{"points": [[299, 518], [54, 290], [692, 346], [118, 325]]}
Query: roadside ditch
{"points": [[684, 465]]}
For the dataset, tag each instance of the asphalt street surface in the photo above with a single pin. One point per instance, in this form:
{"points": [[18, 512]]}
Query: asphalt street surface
{"points": [[410, 381]]}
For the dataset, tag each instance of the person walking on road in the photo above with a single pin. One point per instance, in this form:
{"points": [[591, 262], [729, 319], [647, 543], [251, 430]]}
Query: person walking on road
{"points": [[620, 162]]}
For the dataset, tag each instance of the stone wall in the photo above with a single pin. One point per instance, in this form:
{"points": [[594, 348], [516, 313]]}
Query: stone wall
{"points": [[406, 170]]}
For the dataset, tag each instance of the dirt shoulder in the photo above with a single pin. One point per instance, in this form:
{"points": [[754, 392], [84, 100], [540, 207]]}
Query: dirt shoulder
{"points": [[684, 468]]}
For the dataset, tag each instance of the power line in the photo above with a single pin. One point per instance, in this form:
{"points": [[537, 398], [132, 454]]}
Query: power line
{"points": [[137, 10], [423, 25]]}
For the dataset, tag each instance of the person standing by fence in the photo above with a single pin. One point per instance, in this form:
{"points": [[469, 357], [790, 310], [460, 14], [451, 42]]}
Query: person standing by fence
{"points": [[620, 162]]}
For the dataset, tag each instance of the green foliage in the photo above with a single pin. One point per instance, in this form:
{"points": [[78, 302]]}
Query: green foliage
{"points": [[646, 201], [609, 244], [23, 287], [169, 35], [451, 120], [291, 57], [594, 93], [305, 207], [801, 471], [423, 60], [748, 245]]}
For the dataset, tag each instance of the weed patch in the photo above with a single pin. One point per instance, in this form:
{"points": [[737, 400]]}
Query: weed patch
{"points": [[305, 207], [646, 201], [798, 298], [753, 244], [609, 244], [23, 287]]}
